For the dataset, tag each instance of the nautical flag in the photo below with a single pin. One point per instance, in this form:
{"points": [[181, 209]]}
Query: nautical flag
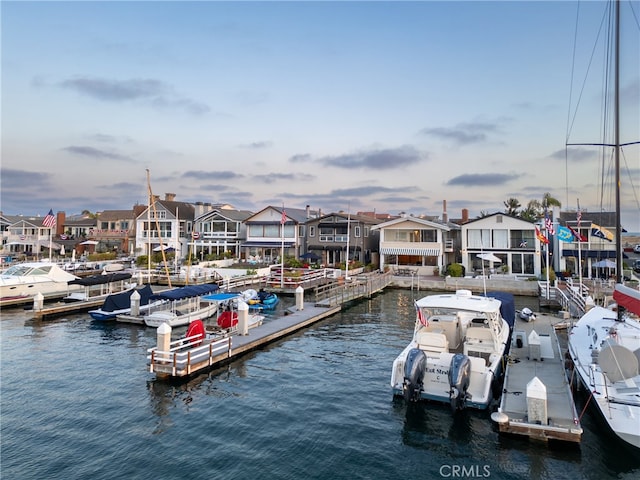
{"points": [[578, 235], [564, 234], [541, 237], [579, 217], [195, 235], [548, 223], [283, 220], [50, 220], [523, 244], [600, 232], [423, 320]]}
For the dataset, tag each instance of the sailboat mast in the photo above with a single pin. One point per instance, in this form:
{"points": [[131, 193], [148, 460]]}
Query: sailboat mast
{"points": [[619, 264]]}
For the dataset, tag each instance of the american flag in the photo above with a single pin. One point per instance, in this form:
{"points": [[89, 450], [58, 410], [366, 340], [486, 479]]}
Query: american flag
{"points": [[548, 224], [423, 320], [579, 217], [283, 220], [50, 220]]}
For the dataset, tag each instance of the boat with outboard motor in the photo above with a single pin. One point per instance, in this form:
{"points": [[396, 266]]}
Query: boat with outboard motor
{"points": [[263, 300], [457, 352]]}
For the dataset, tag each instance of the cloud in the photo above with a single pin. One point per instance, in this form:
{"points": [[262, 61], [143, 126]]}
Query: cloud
{"points": [[97, 153], [154, 92], [574, 154], [464, 133], [257, 145], [15, 180], [384, 159], [300, 158], [481, 179], [276, 177], [220, 175]]}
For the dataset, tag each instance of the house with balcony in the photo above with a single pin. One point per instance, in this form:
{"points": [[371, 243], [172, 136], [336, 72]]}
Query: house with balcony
{"points": [[165, 224], [114, 231], [273, 230], [511, 239], [220, 232], [328, 236], [415, 244], [27, 238], [592, 249]]}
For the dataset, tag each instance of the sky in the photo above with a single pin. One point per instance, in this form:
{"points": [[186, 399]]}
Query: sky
{"points": [[355, 106]]}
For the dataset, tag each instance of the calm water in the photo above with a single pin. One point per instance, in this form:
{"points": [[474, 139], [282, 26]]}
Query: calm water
{"points": [[78, 402]]}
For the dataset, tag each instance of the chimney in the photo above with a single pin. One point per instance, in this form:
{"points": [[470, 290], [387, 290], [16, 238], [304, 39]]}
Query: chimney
{"points": [[156, 198], [445, 216], [60, 219], [169, 197], [308, 211], [465, 215]]}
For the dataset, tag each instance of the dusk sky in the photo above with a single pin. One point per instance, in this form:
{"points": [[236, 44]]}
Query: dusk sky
{"points": [[361, 106]]}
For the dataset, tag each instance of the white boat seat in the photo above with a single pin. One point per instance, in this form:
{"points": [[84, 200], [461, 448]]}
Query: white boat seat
{"points": [[433, 342], [479, 334]]}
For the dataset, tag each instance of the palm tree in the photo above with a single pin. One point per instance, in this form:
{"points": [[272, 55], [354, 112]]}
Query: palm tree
{"points": [[532, 212], [512, 205], [549, 201]]}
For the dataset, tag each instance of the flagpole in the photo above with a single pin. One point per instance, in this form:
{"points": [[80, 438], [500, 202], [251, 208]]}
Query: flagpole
{"points": [[579, 218], [50, 242], [283, 219]]}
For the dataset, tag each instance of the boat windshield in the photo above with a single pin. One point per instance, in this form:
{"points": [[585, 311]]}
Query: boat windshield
{"points": [[22, 270]]}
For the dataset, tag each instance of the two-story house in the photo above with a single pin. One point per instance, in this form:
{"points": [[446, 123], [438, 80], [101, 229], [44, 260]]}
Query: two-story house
{"points": [[328, 236], [417, 244], [511, 239], [274, 230], [28, 237], [220, 231], [115, 231], [165, 224]]}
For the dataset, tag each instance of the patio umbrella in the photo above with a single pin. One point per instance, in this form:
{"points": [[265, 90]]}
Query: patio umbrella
{"points": [[62, 252], [89, 242], [166, 248], [606, 263], [490, 257]]}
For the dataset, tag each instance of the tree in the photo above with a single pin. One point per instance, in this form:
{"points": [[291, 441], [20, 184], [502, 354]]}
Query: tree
{"points": [[512, 206], [549, 201]]}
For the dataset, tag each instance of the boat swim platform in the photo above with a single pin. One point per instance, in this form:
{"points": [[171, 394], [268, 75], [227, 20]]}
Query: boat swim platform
{"points": [[535, 364], [218, 350]]}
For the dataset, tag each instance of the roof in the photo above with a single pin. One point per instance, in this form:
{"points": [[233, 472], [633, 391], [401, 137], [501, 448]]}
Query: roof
{"points": [[229, 214], [116, 215], [604, 219], [418, 220], [346, 217], [514, 217]]}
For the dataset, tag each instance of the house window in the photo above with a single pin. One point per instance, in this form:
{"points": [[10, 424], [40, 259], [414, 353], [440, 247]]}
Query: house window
{"points": [[312, 231], [366, 231], [499, 219], [356, 231]]}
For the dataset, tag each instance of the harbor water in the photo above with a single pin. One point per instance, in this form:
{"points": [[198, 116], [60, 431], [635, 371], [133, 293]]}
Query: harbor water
{"points": [[79, 403]]}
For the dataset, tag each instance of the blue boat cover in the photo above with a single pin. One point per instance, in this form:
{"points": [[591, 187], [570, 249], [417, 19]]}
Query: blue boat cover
{"points": [[122, 300], [221, 297], [185, 292], [101, 279], [507, 307]]}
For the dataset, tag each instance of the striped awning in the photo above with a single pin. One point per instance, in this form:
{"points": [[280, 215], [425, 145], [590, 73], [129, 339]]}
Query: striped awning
{"points": [[426, 252]]}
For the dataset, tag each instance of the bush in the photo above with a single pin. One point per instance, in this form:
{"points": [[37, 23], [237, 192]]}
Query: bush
{"points": [[455, 270], [552, 275]]}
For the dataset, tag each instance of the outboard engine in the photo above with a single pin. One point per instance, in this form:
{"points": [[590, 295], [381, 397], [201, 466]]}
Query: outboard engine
{"points": [[414, 368], [459, 378]]}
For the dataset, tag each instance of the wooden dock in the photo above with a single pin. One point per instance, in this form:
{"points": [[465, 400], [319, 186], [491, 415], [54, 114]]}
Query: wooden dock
{"points": [[184, 360], [536, 398]]}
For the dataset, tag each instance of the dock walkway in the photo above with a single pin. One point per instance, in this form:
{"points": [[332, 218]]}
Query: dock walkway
{"points": [[184, 360], [524, 410]]}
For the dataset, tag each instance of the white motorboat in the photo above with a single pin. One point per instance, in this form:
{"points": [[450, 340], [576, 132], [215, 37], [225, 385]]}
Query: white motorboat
{"points": [[96, 287], [605, 352], [25, 280], [182, 305], [456, 353]]}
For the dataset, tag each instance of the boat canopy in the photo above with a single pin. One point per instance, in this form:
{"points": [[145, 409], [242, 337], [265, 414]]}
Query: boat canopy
{"points": [[221, 297], [101, 279], [507, 306], [122, 300], [461, 300], [186, 292]]}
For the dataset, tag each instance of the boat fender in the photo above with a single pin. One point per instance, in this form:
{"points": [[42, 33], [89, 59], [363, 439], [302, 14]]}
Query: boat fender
{"points": [[414, 369], [459, 379]]}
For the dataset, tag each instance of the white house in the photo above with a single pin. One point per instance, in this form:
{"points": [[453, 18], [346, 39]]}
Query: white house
{"points": [[415, 244], [511, 239]]}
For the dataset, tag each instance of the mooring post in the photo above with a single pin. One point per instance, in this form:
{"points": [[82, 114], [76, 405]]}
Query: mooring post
{"points": [[243, 318], [135, 303], [38, 302], [299, 298]]}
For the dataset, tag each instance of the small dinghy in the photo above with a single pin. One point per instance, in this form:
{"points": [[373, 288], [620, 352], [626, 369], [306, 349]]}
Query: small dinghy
{"points": [[527, 315]]}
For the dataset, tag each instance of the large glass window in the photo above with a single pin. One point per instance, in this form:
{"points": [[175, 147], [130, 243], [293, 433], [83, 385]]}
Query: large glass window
{"points": [[477, 238], [500, 239]]}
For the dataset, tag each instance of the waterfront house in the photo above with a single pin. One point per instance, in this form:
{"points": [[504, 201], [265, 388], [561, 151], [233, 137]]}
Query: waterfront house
{"points": [[164, 224], [511, 239], [415, 245], [274, 229], [220, 231], [27, 238], [114, 231], [327, 237]]}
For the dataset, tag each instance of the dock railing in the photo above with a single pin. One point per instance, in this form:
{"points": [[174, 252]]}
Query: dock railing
{"points": [[342, 291], [187, 354]]}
